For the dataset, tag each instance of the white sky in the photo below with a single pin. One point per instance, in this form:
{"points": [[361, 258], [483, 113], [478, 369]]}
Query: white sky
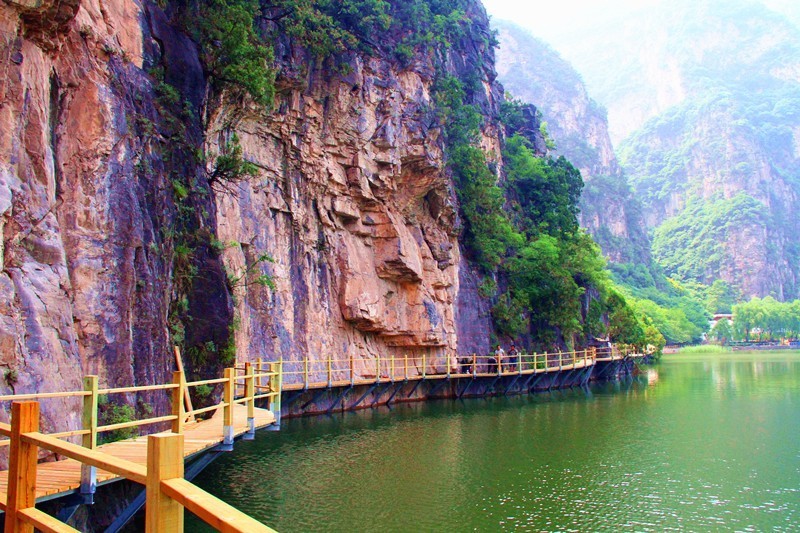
{"points": [[549, 19]]}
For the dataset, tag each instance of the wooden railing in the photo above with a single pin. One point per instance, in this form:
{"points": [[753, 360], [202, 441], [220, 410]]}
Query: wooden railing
{"points": [[269, 383], [168, 494], [256, 385], [331, 371]]}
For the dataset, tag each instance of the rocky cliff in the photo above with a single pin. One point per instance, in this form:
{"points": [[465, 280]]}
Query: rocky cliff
{"points": [[118, 243], [701, 100], [533, 72]]}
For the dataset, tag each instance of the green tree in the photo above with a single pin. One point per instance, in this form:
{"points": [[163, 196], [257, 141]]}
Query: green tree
{"points": [[624, 326], [722, 331], [720, 297]]}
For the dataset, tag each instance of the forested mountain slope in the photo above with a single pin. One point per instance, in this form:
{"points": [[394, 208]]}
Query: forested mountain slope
{"points": [[533, 72], [706, 95]]}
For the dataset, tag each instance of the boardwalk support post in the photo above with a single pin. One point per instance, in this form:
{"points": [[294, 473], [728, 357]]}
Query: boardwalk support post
{"points": [[227, 411], [89, 440], [164, 461], [21, 466], [250, 392]]}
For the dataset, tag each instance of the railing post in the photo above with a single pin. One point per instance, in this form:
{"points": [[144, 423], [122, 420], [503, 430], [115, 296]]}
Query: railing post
{"points": [[447, 363], [227, 411], [391, 377], [474, 364], [424, 366], [259, 371], [352, 372], [250, 392], [164, 461], [275, 384], [330, 371], [378, 368], [178, 407], [305, 372], [89, 440], [405, 366], [519, 364], [21, 466], [279, 389], [186, 397], [560, 360]]}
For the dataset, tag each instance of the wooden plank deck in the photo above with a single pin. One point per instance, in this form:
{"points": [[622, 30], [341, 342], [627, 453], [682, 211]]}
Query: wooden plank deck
{"points": [[61, 477]]}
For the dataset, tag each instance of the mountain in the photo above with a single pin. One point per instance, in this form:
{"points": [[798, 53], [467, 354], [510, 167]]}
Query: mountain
{"points": [[703, 100], [535, 73], [282, 181]]}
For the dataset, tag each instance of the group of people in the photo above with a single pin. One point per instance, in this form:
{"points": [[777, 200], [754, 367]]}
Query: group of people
{"points": [[507, 362], [498, 360]]}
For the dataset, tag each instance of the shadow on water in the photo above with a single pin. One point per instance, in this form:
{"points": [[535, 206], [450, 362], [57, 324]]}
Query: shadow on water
{"points": [[665, 449]]}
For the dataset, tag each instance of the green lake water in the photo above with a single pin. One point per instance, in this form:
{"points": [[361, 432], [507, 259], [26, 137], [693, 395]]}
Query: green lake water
{"points": [[696, 443]]}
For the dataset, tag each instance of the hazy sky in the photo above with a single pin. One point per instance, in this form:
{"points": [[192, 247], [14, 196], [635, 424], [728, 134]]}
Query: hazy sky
{"points": [[555, 20], [549, 19]]}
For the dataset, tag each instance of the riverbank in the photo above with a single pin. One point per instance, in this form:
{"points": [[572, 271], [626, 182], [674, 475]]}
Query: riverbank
{"points": [[715, 348]]}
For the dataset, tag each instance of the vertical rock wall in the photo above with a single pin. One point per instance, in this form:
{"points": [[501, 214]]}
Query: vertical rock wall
{"points": [[352, 204]]}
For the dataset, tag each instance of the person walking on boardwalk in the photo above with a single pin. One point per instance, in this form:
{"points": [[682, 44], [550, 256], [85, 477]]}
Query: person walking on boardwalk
{"points": [[513, 358], [466, 364], [499, 356]]}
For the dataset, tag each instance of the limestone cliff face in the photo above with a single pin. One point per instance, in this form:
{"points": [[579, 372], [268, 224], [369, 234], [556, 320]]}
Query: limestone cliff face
{"points": [[80, 291], [352, 204], [355, 210]]}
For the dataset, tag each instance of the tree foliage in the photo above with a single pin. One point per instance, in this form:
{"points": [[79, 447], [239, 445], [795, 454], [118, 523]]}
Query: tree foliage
{"points": [[766, 319]]}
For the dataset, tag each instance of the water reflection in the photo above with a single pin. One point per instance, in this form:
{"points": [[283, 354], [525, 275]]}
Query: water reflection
{"points": [[697, 443]]}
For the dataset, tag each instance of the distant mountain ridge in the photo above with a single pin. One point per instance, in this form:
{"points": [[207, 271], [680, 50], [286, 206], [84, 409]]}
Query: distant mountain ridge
{"points": [[533, 72], [703, 102]]}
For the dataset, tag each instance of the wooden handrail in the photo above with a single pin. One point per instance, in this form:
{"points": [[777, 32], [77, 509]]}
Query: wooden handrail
{"points": [[43, 521], [141, 388], [41, 395], [136, 423], [109, 463], [214, 381], [166, 490], [202, 410], [211, 509]]}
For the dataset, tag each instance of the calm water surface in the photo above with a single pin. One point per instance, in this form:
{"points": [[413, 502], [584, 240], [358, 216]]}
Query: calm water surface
{"points": [[698, 443]]}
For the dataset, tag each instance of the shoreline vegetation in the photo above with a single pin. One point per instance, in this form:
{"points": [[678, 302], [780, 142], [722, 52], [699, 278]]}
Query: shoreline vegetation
{"points": [[740, 347]]}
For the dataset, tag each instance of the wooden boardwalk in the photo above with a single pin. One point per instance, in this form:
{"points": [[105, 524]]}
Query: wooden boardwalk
{"points": [[156, 461], [334, 373], [61, 477]]}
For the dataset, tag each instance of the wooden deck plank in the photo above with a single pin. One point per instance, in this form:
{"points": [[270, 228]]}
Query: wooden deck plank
{"points": [[64, 476]]}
